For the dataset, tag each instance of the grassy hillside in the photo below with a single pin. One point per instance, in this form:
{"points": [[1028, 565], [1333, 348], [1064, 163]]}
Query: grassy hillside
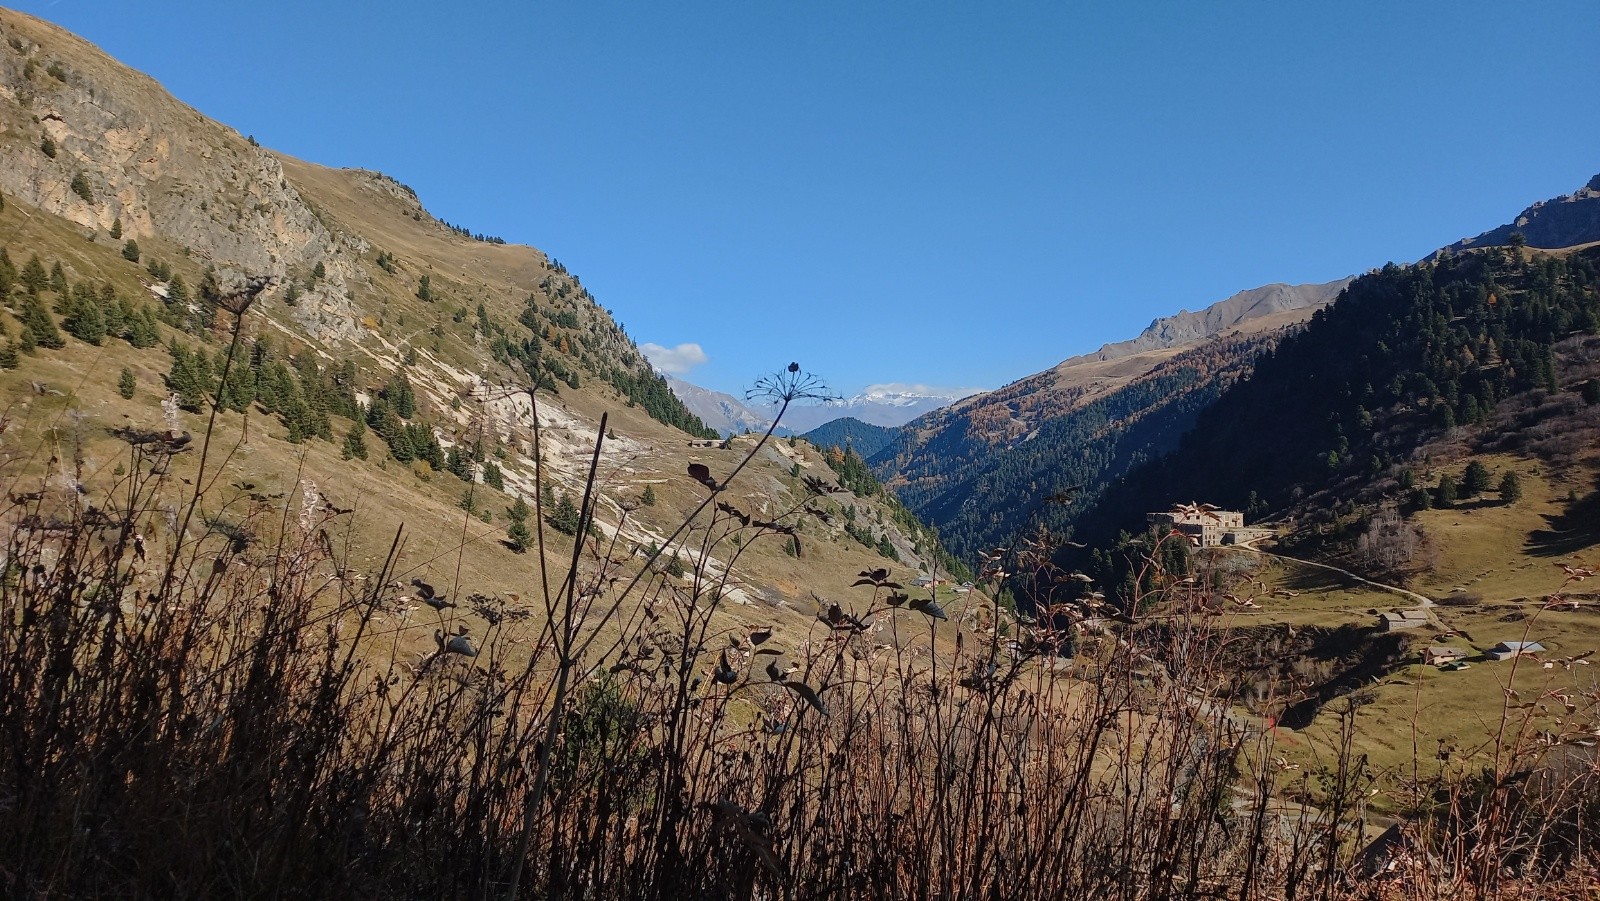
{"points": [[383, 362]]}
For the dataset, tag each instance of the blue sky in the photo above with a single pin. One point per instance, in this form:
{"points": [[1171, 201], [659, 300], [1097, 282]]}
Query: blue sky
{"points": [[952, 194]]}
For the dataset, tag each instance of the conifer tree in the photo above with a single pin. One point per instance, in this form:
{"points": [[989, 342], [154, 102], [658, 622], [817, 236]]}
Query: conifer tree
{"points": [[34, 277], [564, 518], [189, 378], [83, 318], [114, 310], [400, 446], [518, 530], [38, 328], [355, 441], [493, 477], [1447, 490], [126, 384], [143, 330], [1475, 480], [400, 396], [239, 390], [1510, 488], [457, 463]]}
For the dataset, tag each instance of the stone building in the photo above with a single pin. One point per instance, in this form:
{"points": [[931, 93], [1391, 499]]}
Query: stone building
{"points": [[1206, 525]]}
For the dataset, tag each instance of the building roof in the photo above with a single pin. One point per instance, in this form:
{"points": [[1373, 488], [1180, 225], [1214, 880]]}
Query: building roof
{"points": [[1524, 646]]}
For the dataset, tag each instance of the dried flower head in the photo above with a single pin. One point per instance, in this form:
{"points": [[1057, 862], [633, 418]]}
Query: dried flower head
{"points": [[789, 385]]}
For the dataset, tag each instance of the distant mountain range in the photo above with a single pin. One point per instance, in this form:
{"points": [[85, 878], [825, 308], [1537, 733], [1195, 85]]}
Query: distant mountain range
{"points": [[881, 405], [723, 412], [886, 405]]}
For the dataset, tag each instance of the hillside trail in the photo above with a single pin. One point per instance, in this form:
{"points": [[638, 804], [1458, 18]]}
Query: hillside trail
{"points": [[1424, 603]]}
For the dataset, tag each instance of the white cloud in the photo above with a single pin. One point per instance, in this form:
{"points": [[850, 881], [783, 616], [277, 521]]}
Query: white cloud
{"points": [[675, 360]]}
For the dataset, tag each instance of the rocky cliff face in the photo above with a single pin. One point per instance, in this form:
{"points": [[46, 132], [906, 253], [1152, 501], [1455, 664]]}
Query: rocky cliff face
{"points": [[1236, 312], [105, 147], [1566, 221]]}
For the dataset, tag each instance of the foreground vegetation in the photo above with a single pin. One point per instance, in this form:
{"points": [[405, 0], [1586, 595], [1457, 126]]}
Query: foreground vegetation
{"points": [[192, 709]]}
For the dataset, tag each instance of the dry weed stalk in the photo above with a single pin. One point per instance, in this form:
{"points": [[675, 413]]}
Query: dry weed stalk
{"points": [[207, 713]]}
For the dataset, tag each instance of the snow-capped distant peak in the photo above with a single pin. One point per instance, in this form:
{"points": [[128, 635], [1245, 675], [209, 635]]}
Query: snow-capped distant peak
{"points": [[901, 394]]}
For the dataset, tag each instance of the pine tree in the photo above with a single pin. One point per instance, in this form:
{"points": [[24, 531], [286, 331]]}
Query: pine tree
{"points": [[130, 251], [564, 518], [458, 464], [399, 395], [58, 279], [126, 384], [80, 187], [1475, 480], [1510, 488], [34, 278], [115, 310], [189, 378], [116, 229], [143, 330], [518, 531], [355, 441], [38, 329], [83, 318], [400, 446], [425, 289], [239, 390], [493, 477], [1447, 490], [648, 499]]}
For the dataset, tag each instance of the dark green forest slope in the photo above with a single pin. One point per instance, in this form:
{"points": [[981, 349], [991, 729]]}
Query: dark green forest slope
{"points": [[864, 438], [1406, 352], [983, 494]]}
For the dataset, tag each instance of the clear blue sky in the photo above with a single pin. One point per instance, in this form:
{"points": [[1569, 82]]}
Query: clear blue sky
{"points": [[935, 192]]}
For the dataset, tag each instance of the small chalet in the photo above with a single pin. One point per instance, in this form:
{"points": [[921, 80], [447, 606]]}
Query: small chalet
{"points": [[1441, 654], [1506, 650], [1401, 619]]}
